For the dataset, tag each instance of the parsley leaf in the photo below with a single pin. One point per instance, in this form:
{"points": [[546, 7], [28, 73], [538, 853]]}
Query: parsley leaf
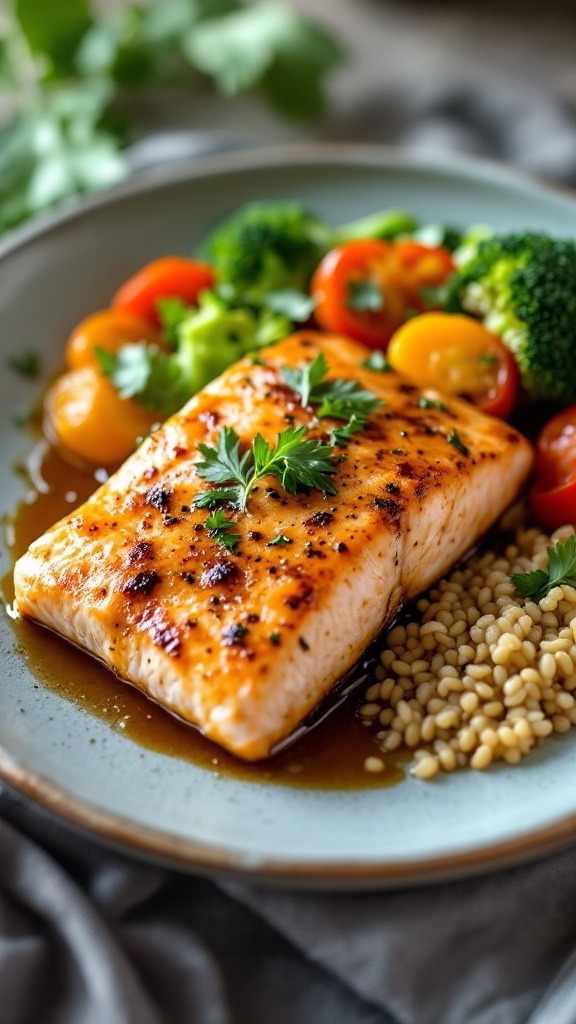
{"points": [[280, 539], [144, 372], [171, 312], [377, 361], [27, 364], [365, 296], [561, 569], [337, 398], [295, 462], [295, 305], [66, 63], [456, 441], [268, 46], [218, 527], [431, 403], [340, 436]]}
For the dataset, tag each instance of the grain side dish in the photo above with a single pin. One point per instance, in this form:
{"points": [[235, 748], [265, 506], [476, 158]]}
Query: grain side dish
{"points": [[479, 674]]}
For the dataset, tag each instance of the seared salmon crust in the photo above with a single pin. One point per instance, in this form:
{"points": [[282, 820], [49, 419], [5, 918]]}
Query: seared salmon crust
{"points": [[245, 643]]}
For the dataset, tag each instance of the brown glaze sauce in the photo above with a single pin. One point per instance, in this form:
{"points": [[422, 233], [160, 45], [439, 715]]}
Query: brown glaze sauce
{"points": [[330, 755]]}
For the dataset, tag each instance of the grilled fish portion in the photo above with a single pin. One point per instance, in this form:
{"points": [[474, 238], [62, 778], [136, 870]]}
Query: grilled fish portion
{"points": [[244, 644]]}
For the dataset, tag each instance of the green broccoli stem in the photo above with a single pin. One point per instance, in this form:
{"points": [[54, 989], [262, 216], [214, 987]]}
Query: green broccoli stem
{"points": [[386, 224]]}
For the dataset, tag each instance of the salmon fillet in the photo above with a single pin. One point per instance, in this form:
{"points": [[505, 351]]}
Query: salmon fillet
{"points": [[245, 644]]}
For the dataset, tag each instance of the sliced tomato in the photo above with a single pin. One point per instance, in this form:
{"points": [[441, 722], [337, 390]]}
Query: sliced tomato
{"points": [[553, 496], [168, 277], [367, 288], [457, 355]]}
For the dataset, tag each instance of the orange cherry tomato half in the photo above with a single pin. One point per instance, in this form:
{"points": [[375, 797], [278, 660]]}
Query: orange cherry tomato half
{"points": [[108, 329], [553, 496], [457, 355], [87, 416], [168, 277], [367, 288]]}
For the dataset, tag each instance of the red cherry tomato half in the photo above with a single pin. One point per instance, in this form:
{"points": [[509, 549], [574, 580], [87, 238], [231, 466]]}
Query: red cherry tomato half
{"points": [[455, 354], [553, 496], [367, 288], [168, 277]]}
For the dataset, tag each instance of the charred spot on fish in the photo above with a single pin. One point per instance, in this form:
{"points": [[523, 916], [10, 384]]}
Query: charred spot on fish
{"points": [[220, 572], [170, 520], [255, 535], [407, 389], [143, 551], [319, 520], [406, 469], [392, 488], [233, 635], [388, 507], [141, 584], [159, 498], [303, 644], [295, 600], [420, 490], [252, 618], [189, 577], [341, 547]]}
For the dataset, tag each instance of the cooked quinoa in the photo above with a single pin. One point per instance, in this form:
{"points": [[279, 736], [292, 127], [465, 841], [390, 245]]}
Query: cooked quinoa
{"points": [[479, 674]]}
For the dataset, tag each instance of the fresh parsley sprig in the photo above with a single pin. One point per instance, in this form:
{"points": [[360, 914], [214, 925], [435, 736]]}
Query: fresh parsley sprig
{"points": [[561, 569], [295, 462], [67, 68], [219, 527], [336, 398]]}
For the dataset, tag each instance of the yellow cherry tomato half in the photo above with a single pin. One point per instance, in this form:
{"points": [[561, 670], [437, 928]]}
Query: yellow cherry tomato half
{"points": [[87, 416], [457, 355], [109, 329]]}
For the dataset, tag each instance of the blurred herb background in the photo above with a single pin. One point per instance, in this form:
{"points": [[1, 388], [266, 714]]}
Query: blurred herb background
{"points": [[73, 80]]}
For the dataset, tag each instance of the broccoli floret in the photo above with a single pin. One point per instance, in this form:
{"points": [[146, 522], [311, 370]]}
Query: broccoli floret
{"points": [[523, 286], [264, 247], [215, 335], [268, 247]]}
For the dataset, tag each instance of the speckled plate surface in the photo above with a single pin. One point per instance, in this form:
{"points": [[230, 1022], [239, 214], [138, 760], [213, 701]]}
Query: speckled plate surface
{"points": [[53, 274]]}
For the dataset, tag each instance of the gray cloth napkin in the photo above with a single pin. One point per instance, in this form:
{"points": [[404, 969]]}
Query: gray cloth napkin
{"points": [[88, 936]]}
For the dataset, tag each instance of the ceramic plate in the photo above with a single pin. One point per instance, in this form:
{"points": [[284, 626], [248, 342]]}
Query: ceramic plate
{"points": [[168, 809]]}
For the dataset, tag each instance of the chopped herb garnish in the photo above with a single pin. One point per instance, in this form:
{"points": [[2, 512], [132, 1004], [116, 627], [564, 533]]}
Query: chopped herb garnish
{"points": [[257, 360], [275, 637], [340, 436], [561, 569], [488, 360], [456, 441], [144, 372], [295, 305], [398, 451], [218, 528], [377, 361], [280, 539], [27, 364], [365, 296], [430, 403], [20, 417], [171, 312], [337, 398], [297, 463]]}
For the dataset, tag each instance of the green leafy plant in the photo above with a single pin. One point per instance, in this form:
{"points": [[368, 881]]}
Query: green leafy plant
{"points": [[561, 569], [65, 70], [295, 462]]}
